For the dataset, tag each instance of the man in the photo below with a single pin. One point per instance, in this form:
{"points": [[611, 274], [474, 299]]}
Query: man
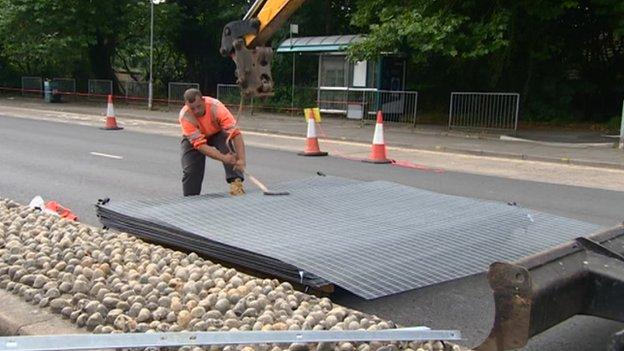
{"points": [[209, 129]]}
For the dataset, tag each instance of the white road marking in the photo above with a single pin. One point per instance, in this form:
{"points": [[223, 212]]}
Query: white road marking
{"points": [[529, 170], [106, 155]]}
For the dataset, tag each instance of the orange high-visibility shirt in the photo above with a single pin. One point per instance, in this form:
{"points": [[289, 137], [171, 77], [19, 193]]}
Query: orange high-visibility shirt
{"points": [[197, 129]]}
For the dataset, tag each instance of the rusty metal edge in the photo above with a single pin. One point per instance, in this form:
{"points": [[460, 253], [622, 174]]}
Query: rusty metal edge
{"points": [[512, 286]]}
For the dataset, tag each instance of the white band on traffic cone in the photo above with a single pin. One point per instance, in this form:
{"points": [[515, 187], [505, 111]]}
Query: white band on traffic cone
{"points": [[110, 110], [311, 128], [378, 137]]}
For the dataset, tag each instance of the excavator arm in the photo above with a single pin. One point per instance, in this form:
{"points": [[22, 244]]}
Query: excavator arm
{"points": [[244, 41]]}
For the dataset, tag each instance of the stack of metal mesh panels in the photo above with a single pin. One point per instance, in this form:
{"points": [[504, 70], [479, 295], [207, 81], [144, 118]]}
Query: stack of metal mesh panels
{"points": [[371, 238]]}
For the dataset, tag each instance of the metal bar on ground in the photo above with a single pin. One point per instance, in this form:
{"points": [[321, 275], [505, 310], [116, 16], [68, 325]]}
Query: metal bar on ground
{"points": [[170, 339]]}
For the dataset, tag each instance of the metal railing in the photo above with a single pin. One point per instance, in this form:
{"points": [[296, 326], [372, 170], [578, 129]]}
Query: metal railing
{"points": [[65, 85], [621, 145], [175, 91], [100, 88], [282, 101], [229, 94], [137, 90], [362, 104], [32, 85], [484, 110]]}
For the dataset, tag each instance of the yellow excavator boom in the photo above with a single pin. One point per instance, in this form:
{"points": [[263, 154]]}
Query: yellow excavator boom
{"points": [[272, 15], [244, 41]]}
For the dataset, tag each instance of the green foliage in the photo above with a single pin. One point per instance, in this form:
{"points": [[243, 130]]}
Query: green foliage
{"points": [[90, 39], [133, 55], [36, 37], [565, 58], [303, 97], [198, 39], [426, 28]]}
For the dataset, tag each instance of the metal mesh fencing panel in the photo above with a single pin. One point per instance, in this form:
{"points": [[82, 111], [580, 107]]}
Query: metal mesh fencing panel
{"points": [[621, 145], [358, 103], [285, 100], [228, 94], [333, 100], [65, 86], [32, 85], [175, 92], [484, 110], [396, 106], [99, 89], [136, 90]]}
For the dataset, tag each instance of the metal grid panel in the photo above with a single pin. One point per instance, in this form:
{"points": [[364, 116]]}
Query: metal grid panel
{"points": [[371, 238], [155, 230]]}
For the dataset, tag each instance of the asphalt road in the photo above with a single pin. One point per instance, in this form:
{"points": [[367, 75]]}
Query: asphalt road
{"points": [[77, 165]]}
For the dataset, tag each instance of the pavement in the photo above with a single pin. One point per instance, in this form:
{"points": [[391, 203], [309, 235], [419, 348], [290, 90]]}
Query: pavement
{"points": [[18, 317], [587, 148]]}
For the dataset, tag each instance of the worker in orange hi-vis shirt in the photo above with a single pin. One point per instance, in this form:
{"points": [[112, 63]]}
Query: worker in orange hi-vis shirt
{"points": [[207, 128]]}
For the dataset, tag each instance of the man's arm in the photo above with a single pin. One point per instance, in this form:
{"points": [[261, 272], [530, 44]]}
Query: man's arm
{"points": [[239, 146], [229, 125], [216, 154]]}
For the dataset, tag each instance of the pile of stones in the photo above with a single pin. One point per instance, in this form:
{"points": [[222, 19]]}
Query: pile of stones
{"points": [[111, 282]]}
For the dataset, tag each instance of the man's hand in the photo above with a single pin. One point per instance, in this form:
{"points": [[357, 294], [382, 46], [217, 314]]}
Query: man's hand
{"points": [[239, 165], [229, 159]]}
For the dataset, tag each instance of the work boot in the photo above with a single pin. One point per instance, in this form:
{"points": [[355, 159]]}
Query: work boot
{"points": [[236, 187]]}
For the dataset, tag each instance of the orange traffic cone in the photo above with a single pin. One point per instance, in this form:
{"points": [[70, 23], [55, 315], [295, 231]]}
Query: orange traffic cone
{"points": [[111, 121], [312, 146], [378, 149]]}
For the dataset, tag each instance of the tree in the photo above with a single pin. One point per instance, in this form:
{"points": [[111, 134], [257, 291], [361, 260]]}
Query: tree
{"points": [[199, 38], [83, 39], [133, 52], [430, 28], [565, 58], [64, 37]]}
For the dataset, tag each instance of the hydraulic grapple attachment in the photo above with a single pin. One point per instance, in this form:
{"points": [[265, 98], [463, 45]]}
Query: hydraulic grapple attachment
{"points": [[584, 276]]}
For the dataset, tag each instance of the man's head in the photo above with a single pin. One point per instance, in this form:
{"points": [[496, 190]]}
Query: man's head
{"points": [[193, 99]]}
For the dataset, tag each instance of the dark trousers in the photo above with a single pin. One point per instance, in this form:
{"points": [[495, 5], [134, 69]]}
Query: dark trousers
{"points": [[194, 163]]}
